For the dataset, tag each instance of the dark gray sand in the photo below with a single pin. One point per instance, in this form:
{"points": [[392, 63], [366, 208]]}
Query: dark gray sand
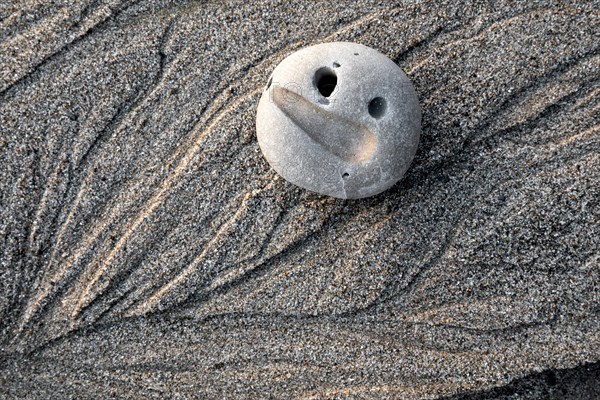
{"points": [[148, 251]]}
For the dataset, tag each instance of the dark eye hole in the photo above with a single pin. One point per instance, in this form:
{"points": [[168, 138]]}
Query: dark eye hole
{"points": [[325, 81], [377, 107]]}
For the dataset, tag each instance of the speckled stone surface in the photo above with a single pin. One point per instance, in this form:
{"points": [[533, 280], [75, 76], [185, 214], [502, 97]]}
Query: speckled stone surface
{"points": [[148, 251], [339, 119]]}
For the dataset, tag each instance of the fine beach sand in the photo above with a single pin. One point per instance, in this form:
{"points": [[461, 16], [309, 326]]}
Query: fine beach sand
{"points": [[148, 251]]}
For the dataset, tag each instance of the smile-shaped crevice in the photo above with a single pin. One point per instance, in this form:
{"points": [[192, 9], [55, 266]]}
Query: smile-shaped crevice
{"points": [[349, 140]]}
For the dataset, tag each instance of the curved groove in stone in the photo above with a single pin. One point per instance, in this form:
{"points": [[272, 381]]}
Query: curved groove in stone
{"points": [[349, 140]]}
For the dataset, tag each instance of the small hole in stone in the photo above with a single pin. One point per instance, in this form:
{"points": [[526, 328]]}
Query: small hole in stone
{"points": [[355, 54], [377, 107], [336, 65], [325, 81], [345, 175], [269, 83]]}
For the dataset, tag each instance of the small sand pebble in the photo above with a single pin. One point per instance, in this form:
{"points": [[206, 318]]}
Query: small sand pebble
{"points": [[340, 119]]}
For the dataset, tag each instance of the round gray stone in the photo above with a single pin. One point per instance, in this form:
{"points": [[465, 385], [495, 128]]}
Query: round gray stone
{"points": [[339, 119]]}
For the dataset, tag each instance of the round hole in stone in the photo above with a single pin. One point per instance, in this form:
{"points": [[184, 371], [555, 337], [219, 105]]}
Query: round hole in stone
{"points": [[377, 107], [325, 81], [345, 175], [355, 54]]}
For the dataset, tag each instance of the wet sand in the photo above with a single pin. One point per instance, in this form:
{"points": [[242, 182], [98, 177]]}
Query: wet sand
{"points": [[148, 250]]}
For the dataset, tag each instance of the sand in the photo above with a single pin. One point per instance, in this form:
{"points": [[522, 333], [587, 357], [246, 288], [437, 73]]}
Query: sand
{"points": [[148, 250]]}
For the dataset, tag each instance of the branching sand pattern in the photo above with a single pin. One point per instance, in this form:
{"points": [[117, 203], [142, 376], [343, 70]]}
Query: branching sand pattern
{"points": [[148, 251]]}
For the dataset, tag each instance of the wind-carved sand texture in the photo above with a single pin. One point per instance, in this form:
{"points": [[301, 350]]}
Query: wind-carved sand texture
{"points": [[148, 250]]}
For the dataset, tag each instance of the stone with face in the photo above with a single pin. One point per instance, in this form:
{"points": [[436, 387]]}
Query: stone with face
{"points": [[340, 119]]}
